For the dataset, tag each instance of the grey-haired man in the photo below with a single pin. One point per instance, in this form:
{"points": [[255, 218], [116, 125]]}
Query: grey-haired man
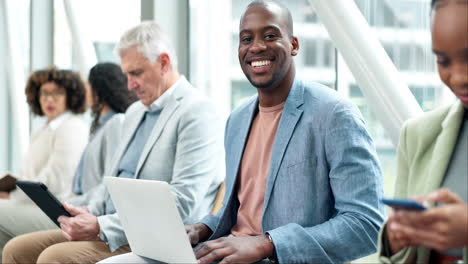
{"points": [[171, 134]]}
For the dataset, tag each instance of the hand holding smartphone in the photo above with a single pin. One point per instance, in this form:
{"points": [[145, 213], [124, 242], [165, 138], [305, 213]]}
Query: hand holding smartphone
{"points": [[404, 204]]}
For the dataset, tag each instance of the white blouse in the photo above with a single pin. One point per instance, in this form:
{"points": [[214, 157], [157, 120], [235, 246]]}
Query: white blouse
{"points": [[53, 155]]}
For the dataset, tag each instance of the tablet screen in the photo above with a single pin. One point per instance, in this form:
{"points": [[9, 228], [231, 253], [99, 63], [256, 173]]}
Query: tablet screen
{"points": [[44, 199]]}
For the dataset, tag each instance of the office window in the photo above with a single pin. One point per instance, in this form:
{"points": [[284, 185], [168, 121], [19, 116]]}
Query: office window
{"points": [[402, 27], [62, 38], [14, 31], [102, 22]]}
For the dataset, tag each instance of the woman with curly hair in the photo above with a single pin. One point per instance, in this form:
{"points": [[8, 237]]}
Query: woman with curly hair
{"points": [[55, 149], [107, 96]]}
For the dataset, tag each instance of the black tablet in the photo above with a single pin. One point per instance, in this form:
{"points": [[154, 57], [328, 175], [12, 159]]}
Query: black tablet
{"points": [[48, 203]]}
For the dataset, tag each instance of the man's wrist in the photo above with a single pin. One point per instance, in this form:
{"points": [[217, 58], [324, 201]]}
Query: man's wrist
{"points": [[101, 235], [269, 248], [203, 231]]}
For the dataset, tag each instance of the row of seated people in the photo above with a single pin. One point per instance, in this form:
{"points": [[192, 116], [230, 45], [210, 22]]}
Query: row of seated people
{"points": [[58, 154], [303, 182]]}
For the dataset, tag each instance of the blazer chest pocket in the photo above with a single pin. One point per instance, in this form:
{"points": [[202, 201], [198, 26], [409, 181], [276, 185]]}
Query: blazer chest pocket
{"points": [[305, 166], [295, 189], [298, 174]]}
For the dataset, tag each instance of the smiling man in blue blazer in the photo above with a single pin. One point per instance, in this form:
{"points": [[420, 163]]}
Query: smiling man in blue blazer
{"points": [[320, 200], [303, 182]]}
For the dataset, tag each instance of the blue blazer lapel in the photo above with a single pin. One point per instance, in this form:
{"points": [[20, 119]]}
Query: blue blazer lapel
{"points": [[289, 119], [239, 143]]}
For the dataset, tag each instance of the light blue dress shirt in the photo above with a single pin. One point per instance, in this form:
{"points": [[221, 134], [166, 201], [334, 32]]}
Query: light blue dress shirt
{"points": [[129, 161], [80, 170]]}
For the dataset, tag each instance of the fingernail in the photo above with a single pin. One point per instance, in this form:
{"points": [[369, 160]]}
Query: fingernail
{"points": [[393, 226]]}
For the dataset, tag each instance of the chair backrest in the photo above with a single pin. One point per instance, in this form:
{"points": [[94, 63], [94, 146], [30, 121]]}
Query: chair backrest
{"points": [[218, 203]]}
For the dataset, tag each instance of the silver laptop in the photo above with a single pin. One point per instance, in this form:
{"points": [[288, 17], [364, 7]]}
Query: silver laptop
{"points": [[148, 213]]}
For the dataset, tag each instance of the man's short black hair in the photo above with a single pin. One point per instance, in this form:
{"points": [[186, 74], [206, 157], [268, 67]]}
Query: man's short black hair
{"points": [[438, 3], [283, 9]]}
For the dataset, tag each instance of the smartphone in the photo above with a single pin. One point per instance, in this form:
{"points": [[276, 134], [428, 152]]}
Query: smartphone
{"points": [[404, 204]]}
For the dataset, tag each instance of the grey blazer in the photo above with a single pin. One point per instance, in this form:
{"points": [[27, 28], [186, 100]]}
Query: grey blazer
{"points": [[322, 196], [184, 149]]}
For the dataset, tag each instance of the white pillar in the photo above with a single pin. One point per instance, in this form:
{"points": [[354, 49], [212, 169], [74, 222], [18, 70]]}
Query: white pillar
{"points": [[41, 44], [379, 80], [42, 34], [4, 97], [82, 43], [18, 136]]}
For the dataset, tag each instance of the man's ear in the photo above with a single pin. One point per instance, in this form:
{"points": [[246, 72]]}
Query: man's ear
{"points": [[165, 62], [295, 46]]}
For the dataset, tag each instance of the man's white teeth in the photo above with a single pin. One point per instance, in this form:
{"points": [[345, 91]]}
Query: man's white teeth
{"points": [[260, 63]]}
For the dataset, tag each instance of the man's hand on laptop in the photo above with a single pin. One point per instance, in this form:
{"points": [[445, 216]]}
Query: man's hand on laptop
{"points": [[197, 233], [233, 249], [82, 226]]}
